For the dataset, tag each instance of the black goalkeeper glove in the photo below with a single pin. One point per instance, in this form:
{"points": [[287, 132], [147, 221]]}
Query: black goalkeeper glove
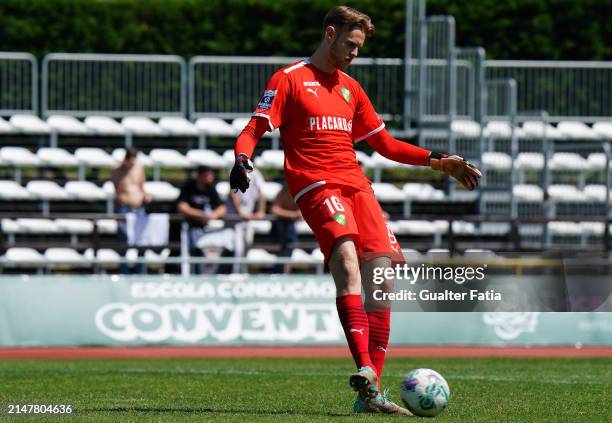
{"points": [[239, 176]]}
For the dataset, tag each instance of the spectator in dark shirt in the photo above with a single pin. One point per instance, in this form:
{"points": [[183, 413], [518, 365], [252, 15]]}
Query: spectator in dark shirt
{"points": [[200, 203]]}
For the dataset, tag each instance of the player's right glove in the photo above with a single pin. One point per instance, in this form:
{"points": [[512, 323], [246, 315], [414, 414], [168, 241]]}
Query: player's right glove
{"points": [[458, 168], [239, 176]]}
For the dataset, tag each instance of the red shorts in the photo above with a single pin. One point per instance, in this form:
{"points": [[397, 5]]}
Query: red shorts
{"points": [[334, 211]]}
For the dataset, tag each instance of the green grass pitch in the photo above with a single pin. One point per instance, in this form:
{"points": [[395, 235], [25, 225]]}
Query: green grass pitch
{"points": [[303, 390]]}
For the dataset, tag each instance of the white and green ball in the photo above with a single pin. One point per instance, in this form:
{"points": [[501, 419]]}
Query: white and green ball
{"points": [[424, 392]]}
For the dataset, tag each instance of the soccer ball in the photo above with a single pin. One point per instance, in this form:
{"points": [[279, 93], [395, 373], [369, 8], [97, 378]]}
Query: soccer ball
{"points": [[424, 392]]}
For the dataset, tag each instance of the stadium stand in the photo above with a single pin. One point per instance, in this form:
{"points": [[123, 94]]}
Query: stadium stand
{"points": [[544, 178]]}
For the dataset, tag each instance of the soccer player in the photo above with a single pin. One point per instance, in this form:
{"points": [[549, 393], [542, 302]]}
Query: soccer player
{"points": [[321, 112]]}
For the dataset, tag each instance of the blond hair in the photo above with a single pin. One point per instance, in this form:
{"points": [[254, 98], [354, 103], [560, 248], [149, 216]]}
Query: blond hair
{"points": [[341, 17]]}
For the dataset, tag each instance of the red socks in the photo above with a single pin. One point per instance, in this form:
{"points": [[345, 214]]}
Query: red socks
{"points": [[356, 328], [379, 322]]}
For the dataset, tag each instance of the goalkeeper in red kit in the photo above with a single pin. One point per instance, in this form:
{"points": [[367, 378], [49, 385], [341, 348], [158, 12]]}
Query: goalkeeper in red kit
{"points": [[321, 112]]}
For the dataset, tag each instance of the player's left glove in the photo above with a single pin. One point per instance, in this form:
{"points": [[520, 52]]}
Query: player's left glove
{"points": [[239, 176], [458, 168]]}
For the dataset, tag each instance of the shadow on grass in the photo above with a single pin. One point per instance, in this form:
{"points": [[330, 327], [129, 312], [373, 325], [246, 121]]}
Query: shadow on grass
{"points": [[209, 410]]}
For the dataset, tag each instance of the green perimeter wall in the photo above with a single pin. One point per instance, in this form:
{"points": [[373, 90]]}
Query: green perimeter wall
{"points": [[235, 310], [518, 29]]}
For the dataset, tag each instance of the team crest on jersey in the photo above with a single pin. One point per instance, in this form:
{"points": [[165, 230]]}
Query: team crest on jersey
{"points": [[347, 94], [340, 218], [266, 100]]}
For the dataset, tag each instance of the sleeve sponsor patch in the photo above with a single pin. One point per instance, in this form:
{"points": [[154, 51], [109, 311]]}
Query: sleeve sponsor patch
{"points": [[266, 100]]}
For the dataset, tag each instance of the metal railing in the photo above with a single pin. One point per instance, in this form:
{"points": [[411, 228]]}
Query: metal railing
{"points": [[229, 87], [115, 85], [18, 83], [445, 83], [568, 90]]}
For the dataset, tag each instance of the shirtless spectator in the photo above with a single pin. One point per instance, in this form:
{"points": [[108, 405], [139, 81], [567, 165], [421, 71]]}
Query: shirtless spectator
{"points": [[129, 179], [130, 196]]}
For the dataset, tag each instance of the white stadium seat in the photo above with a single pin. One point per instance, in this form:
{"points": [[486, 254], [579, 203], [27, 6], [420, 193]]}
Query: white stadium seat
{"points": [[75, 226], [104, 125], [603, 129], [85, 190], [206, 158], [119, 154], [262, 227], [161, 191], [537, 129], [302, 228], [466, 128], [29, 124], [259, 255], [107, 226], [11, 190], [380, 161], [47, 190], [168, 157], [56, 157], [437, 254], [151, 257], [19, 255], [563, 192], [564, 228], [228, 156], [412, 256], [37, 226], [317, 255], [592, 228], [597, 161], [271, 190], [387, 192], [577, 130], [142, 126], [223, 189], [68, 125], [463, 228], [178, 126], [108, 256], [494, 160], [568, 161], [94, 157], [297, 254], [501, 129], [131, 255], [63, 255], [239, 123], [423, 192], [215, 126], [5, 127], [417, 227], [533, 161], [494, 228], [479, 254], [18, 156], [109, 188], [9, 226], [531, 193], [596, 192], [272, 159]]}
